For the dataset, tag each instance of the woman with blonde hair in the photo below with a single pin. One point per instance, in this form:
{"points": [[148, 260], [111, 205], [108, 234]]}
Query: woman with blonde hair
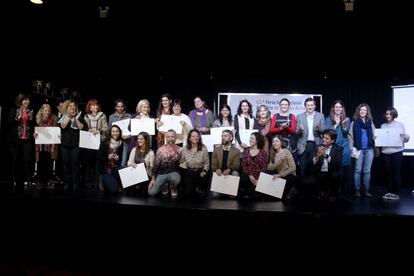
{"points": [[45, 154]]}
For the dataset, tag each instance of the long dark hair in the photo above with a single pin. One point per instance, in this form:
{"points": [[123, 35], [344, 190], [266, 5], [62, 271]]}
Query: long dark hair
{"points": [[273, 151], [160, 107], [200, 142], [220, 117], [146, 146], [239, 109], [108, 137], [332, 114]]}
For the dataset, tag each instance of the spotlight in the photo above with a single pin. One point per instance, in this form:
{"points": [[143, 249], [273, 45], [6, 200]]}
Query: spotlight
{"points": [[38, 2]]}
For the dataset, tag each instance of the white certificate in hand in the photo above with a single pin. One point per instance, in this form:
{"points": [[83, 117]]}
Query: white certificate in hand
{"points": [[208, 141], [88, 140], [171, 122], [216, 133], [131, 176], [47, 135], [388, 137], [123, 125], [245, 135], [267, 185], [225, 184], [146, 124]]}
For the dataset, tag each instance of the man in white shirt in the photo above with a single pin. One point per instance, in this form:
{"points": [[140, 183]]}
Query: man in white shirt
{"points": [[326, 166], [309, 128]]}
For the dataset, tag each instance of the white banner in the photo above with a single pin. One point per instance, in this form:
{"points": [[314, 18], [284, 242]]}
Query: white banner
{"points": [[297, 101]]}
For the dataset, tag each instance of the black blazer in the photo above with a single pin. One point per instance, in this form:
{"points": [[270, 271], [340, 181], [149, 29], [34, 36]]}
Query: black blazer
{"points": [[336, 160]]}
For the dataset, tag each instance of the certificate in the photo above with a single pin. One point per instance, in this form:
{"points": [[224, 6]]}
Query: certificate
{"points": [[216, 133], [131, 176], [388, 137], [88, 140], [171, 122], [267, 185], [225, 184], [208, 141], [245, 135], [123, 125], [138, 125], [47, 135]]}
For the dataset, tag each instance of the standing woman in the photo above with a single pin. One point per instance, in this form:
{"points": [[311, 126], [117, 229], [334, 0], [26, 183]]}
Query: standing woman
{"points": [[181, 139], [393, 156], [143, 110], [262, 123], [20, 139], [71, 123], [225, 119], [45, 155], [284, 123], [164, 108], [339, 122], [111, 151], [201, 117], [97, 124], [243, 120], [362, 132]]}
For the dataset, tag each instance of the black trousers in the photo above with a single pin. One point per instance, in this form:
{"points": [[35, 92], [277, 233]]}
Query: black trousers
{"points": [[322, 183], [45, 166], [194, 184], [91, 168], [304, 159], [71, 167], [393, 163], [22, 161]]}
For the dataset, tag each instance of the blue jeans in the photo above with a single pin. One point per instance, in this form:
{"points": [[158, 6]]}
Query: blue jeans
{"points": [[124, 155], [173, 179], [363, 165]]}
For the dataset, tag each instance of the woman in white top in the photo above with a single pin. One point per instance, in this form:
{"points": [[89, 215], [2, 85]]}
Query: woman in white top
{"points": [[224, 118], [393, 156], [181, 139], [141, 154], [243, 120]]}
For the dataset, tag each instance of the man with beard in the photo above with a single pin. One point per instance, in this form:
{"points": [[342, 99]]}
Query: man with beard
{"points": [[166, 166]]}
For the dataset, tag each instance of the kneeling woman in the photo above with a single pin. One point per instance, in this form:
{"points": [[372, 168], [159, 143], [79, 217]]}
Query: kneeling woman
{"points": [[142, 154], [283, 165], [111, 156], [195, 156], [254, 162]]}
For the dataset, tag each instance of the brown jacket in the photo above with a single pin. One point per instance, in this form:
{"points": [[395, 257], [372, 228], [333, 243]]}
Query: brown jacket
{"points": [[233, 160]]}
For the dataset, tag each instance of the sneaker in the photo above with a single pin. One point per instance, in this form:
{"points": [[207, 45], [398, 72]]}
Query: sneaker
{"points": [[174, 192], [386, 196], [367, 194], [394, 196], [165, 189], [357, 193]]}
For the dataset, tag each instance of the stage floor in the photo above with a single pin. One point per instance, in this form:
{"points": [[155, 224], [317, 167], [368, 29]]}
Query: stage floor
{"points": [[344, 206], [48, 227]]}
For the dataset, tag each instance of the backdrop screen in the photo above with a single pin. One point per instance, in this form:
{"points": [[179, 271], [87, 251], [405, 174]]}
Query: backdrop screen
{"points": [[403, 99]]}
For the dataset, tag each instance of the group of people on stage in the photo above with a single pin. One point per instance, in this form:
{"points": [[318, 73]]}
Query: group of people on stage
{"points": [[313, 153]]}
